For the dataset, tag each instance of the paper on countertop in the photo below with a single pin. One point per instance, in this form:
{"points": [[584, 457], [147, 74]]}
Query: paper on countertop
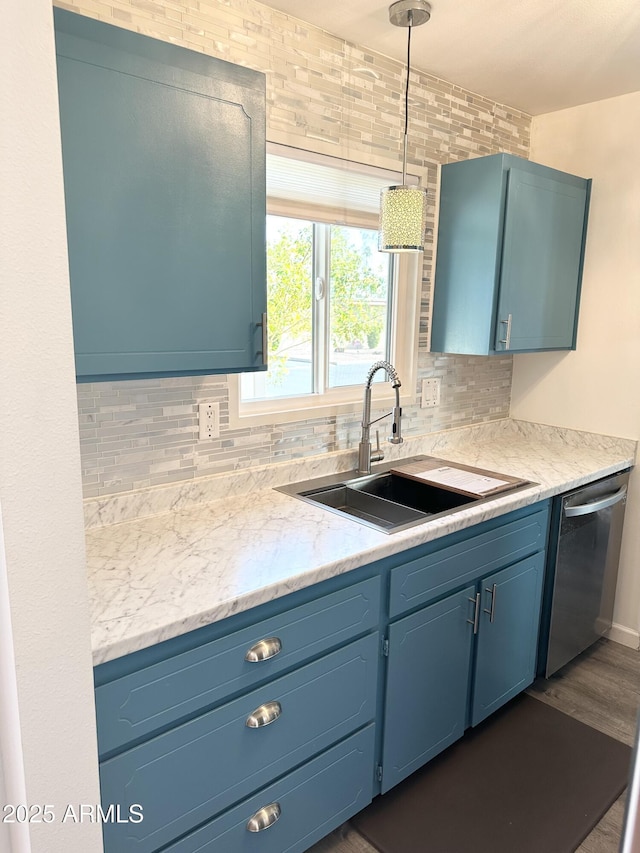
{"points": [[457, 479]]}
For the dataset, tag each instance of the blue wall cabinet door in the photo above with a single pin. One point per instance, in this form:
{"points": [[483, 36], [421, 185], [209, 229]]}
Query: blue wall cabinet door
{"points": [[164, 172], [511, 243], [507, 636], [427, 684]]}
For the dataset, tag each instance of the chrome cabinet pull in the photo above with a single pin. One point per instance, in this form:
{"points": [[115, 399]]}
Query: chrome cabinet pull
{"points": [[264, 818], [265, 339], [476, 613], [264, 715], [492, 613], [507, 338], [263, 650]]}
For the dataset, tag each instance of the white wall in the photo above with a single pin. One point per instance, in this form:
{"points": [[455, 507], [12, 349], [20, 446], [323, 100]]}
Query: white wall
{"points": [[45, 580], [5, 841], [14, 838], [598, 387]]}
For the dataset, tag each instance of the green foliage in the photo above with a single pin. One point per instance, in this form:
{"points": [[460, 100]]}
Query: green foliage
{"points": [[289, 270], [354, 286], [358, 294]]}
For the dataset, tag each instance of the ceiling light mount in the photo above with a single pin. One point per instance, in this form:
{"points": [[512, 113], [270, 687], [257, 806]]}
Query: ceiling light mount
{"points": [[409, 13], [403, 209]]}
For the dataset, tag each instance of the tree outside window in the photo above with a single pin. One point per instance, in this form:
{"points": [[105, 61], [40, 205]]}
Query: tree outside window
{"points": [[333, 343]]}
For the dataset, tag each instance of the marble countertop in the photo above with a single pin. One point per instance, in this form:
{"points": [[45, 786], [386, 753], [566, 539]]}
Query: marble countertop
{"points": [[173, 559]]}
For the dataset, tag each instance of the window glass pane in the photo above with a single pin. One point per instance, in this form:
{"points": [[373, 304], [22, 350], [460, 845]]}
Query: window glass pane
{"points": [[359, 315], [289, 300]]}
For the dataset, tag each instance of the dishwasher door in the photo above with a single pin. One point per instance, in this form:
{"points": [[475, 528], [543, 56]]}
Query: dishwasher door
{"points": [[589, 531]]}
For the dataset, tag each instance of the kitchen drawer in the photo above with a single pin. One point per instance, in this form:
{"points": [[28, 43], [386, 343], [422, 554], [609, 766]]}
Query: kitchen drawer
{"points": [[152, 698], [191, 773], [429, 577], [313, 800]]}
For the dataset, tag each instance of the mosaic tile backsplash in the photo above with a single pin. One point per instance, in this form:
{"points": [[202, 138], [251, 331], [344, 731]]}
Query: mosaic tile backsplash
{"points": [[332, 97]]}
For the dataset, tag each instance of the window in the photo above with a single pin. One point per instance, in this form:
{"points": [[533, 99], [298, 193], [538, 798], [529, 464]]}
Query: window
{"points": [[335, 304]]}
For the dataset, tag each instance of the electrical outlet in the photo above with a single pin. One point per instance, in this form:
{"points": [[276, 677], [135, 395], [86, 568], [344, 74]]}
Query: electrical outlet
{"points": [[430, 393], [209, 420]]}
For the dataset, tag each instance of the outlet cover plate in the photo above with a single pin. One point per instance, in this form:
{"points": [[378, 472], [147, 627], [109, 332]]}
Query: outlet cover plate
{"points": [[208, 420]]}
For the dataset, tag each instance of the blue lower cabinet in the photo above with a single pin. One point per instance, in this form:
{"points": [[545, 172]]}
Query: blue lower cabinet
{"points": [[455, 662], [258, 734], [137, 704], [427, 684], [193, 772], [507, 636], [433, 575], [296, 811]]}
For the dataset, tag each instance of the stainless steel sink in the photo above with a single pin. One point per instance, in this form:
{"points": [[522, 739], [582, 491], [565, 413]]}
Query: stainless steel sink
{"points": [[366, 508], [384, 500], [428, 499]]}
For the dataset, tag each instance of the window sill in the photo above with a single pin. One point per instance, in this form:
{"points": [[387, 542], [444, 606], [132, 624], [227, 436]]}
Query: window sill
{"points": [[291, 409]]}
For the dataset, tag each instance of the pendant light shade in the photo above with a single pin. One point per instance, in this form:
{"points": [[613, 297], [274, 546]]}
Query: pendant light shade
{"points": [[403, 219], [403, 209]]}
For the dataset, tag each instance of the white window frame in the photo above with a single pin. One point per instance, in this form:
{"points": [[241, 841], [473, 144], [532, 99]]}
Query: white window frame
{"points": [[405, 316]]}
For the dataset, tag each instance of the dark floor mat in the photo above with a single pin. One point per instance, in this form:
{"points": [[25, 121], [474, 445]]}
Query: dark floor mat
{"points": [[528, 780]]}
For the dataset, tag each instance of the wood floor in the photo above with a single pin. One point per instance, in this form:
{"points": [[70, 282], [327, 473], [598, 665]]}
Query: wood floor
{"points": [[600, 688]]}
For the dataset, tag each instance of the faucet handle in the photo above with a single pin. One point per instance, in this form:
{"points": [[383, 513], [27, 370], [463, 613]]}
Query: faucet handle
{"points": [[378, 456]]}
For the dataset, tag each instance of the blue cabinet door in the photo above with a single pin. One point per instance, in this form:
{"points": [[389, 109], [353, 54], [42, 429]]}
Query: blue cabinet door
{"points": [[511, 240], [541, 261], [164, 173], [508, 634], [427, 684]]}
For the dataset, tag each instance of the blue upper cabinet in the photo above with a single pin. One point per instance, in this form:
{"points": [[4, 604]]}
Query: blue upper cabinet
{"points": [[164, 174], [511, 241]]}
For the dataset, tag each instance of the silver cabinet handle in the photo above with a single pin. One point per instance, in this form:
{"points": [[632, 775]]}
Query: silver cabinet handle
{"points": [[264, 818], [264, 715], [265, 338], [492, 613], [476, 613], [595, 506], [507, 338], [265, 649]]}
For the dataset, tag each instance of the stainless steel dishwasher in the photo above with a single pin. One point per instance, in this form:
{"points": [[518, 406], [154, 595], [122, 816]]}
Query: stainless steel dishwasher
{"points": [[580, 586]]}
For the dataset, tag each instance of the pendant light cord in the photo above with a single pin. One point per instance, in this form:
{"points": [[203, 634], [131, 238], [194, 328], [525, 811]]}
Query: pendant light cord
{"points": [[406, 88], [406, 102]]}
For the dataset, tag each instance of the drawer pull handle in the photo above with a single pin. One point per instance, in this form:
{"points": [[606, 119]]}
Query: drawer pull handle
{"points": [[264, 818], [264, 650], [264, 715]]}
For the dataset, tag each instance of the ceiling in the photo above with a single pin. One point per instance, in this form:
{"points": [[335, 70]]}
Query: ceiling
{"points": [[536, 55]]}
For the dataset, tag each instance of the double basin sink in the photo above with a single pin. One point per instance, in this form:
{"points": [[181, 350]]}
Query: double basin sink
{"points": [[387, 501]]}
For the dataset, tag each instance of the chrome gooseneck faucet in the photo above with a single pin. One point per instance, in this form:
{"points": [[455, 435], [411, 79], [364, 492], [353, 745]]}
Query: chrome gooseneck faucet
{"points": [[365, 456]]}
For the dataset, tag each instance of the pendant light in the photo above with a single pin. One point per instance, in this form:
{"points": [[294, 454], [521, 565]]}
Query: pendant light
{"points": [[403, 209]]}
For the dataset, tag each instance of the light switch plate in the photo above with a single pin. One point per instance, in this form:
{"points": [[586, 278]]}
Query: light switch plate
{"points": [[430, 393]]}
